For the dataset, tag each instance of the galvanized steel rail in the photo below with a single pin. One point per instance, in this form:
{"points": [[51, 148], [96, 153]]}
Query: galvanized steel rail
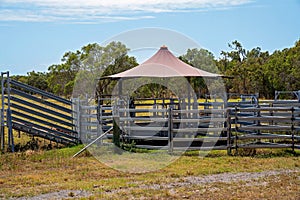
{"points": [[36, 113], [222, 128], [164, 125]]}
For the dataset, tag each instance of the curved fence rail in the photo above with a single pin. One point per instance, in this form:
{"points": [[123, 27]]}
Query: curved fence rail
{"points": [[209, 127]]}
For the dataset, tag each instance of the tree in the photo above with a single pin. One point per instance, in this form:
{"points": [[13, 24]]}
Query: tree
{"points": [[234, 67], [122, 63], [257, 79], [100, 61], [253, 71], [20, 78], [283, 69], [38, 80], [61, 76], [79, 70], [201, 59]]}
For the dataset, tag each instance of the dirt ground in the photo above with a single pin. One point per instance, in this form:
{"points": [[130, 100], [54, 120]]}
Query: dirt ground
{"points": [[243, 185]]}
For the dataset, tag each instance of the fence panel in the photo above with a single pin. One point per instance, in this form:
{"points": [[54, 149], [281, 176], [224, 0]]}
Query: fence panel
{"points": [[272, 127]]}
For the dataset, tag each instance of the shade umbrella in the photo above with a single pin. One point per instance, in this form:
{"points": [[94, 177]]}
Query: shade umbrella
{"points": [[164, 64]]}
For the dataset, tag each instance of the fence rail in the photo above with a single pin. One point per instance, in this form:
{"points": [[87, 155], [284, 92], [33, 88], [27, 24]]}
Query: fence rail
{"points": [[172, 124], [35, 112], [207, 129]]}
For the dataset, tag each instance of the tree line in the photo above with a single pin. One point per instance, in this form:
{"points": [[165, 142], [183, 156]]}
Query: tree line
{"points": [[250, 71]]}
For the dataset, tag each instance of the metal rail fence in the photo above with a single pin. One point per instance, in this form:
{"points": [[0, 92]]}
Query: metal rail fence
{"points": [[171, 124], [241, 126], [267, 127], [35, 112]]}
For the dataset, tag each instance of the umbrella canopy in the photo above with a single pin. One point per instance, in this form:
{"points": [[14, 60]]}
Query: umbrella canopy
{"points": [[164, 64]]}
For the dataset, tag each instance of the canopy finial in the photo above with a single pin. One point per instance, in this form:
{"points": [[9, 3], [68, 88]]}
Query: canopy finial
{"points": [[163, 47]]}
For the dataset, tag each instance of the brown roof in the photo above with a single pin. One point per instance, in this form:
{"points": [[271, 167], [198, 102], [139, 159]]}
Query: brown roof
{"points": [[164, 64]]}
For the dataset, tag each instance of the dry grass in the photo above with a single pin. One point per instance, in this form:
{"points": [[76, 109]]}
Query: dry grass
{"points": [[33, 173]]}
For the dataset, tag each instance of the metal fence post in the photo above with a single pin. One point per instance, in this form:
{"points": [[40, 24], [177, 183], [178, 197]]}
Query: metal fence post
{"points": [[10, 131], [236, 129], [2, 112], [293, 129], [170, 130], [99, 117], [228, 124], [1, 130], [76, 105], [83, 120], [116, 123], [9, 117], [74, 114]]}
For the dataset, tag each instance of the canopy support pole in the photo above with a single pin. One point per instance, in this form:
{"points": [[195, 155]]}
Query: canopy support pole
{"points": [[189, 92]]}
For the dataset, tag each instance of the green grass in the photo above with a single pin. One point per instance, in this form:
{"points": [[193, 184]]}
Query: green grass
{"points": [[32, 173]]}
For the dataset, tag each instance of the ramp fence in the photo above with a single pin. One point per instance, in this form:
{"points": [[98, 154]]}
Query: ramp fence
{"points": [[36, 113]]}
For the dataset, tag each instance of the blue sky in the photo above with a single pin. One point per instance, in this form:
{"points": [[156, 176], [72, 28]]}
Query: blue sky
{"points": [[36, 33]]}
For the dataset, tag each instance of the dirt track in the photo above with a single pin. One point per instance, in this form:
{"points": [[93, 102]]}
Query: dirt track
{"points": [[189, 181]]}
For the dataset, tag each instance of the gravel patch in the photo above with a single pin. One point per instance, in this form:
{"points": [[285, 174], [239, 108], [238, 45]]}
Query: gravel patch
{"points": [[250, 177], [233, 177]]}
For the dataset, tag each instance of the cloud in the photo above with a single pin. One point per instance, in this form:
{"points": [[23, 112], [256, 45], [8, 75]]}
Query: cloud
{"points": [[97, 11]]}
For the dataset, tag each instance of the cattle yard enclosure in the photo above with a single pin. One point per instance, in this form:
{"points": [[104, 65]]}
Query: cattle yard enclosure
{"points": [[166, 124], [169, 124]]}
